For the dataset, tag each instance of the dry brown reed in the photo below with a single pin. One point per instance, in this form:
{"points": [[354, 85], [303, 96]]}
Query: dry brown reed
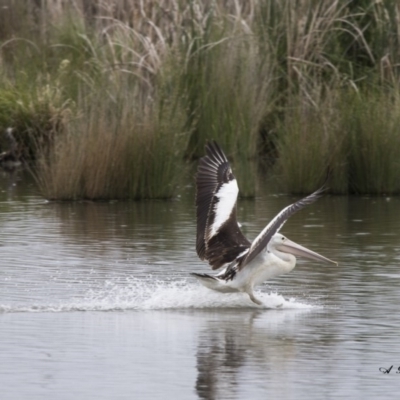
{"points": [[115, 149], [258, 76]]}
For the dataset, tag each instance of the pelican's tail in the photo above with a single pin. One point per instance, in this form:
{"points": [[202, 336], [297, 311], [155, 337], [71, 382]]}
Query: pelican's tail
{"points": [[214, 283]]}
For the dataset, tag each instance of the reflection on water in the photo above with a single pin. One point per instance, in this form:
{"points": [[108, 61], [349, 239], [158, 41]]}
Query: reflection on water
{"points": [[96, 302]]}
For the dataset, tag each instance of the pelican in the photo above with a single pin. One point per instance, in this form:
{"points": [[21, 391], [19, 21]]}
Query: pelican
{"points": [[219, 238]]}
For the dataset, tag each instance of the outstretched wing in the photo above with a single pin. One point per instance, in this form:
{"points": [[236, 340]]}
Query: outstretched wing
{"points": [[219, 238], [262, 240]]}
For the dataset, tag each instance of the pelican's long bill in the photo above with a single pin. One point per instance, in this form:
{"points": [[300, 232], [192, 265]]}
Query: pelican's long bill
{"points": [[293, 248]]}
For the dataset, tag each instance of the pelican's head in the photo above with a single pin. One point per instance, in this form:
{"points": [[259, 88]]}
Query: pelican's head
{"points": [[284, 245]]}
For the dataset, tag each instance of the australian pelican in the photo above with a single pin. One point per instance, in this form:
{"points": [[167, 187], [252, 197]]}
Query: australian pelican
{"points": [[219, 238]]}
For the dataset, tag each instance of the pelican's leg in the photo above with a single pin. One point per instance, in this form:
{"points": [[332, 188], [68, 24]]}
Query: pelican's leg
{"points": [[254, 300]]}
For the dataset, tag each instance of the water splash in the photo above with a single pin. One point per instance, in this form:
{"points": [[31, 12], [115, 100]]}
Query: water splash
{"points": [[150, 294]]}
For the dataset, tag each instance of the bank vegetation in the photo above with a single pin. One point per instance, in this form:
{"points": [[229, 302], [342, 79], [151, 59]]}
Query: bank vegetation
{"points": [[116, 99]]}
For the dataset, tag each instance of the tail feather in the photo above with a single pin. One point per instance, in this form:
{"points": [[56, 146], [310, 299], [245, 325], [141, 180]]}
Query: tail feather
{"points": [[213, 283], [202, 275]]}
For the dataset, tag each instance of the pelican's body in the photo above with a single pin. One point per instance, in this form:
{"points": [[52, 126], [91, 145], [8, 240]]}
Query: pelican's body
{"points": [[220, 241]]}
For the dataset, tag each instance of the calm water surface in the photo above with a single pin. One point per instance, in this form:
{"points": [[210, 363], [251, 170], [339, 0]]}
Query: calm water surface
{"points": [[96, 302]]}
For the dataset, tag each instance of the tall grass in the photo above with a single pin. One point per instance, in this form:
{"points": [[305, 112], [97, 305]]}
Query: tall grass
{"points": [[128, 93], [338, 78], [115, 148], [228, 89], [374, 157], [307, 146], [354, 135]]}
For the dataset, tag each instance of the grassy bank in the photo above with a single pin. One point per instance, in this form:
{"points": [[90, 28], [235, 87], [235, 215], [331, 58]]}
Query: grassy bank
{"points": [[114, 99], [114, 148]]}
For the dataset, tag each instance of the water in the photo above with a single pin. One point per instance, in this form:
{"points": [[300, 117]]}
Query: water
{"points": [[96, 302]]}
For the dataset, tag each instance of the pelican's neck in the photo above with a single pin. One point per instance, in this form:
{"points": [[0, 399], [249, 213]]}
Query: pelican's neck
{"points": [[268, 265], [287, 261]]}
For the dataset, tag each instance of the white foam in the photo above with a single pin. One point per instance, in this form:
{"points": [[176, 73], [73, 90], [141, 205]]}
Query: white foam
{"points": [[150, 294]]}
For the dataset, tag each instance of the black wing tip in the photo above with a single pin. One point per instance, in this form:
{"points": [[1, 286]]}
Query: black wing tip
{"points": [[311, 198], [324, 187], [320, 191], [214, 151], [211, 144]]}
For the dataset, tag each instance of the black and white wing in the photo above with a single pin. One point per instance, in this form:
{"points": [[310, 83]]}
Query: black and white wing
{"points": [[262, 240], [219, 238]]}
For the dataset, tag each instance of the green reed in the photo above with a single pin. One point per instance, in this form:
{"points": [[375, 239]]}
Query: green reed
{"points": [[307, 85], [354, 136], [115, 149]]}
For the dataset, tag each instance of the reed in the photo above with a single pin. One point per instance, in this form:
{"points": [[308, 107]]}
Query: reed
{"points": [[303, 148], [352, 135], [294, 83], [372, 122], [227, 101], [115, 149], [309, 145]]}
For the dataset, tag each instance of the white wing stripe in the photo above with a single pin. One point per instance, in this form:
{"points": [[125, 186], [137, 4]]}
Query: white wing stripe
{"points": [[227, 195]]}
